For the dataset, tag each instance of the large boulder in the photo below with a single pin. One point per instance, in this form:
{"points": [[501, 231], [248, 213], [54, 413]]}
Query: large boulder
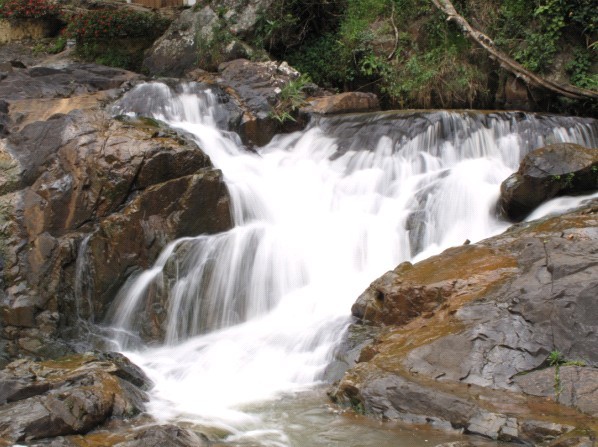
{"points": [[259, 87], [85, 200], [467, 334], [203, 37], [558, 169]]}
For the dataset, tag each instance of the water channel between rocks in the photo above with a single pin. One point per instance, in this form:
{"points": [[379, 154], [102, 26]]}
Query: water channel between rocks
{"points": [[255, 314]]}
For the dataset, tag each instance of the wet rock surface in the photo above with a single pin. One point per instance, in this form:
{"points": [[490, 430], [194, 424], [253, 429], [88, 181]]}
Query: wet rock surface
{"points": [[124, 186], [73, 395], [559, 169], [50, 82], [467, 334], [257, 87]]}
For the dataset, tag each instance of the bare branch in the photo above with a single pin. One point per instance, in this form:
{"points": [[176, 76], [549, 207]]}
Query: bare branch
{"points": [[506, 61]]}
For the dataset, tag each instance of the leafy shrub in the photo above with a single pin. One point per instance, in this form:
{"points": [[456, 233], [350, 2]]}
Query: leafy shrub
{"points": [[96, 30], [28, 9], [580, 70], [108, 24]]}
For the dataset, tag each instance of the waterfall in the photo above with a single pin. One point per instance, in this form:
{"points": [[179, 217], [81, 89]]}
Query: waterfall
{"points": [[319, 214]]}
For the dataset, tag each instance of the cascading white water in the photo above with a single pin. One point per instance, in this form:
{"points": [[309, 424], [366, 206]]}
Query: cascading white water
{"points": [[319, 214]]}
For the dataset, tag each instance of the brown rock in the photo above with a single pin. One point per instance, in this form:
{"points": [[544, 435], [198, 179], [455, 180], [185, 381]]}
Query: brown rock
{"points": [[186, 206], [343, 103], [132, 182], [461, 327]]}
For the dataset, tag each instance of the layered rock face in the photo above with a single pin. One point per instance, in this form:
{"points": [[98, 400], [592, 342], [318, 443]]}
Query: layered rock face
{"points": [[467, 335], [82, 190]]}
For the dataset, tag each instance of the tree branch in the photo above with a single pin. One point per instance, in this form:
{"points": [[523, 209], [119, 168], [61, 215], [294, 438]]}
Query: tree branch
{"points": [[506, 61]]}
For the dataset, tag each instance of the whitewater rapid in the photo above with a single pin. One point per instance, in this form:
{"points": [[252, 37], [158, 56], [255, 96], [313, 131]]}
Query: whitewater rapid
{"points": [[257, 312]]}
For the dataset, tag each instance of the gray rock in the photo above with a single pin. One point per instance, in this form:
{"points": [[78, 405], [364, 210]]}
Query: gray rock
{"points": [[545, 173], [574, 386], [468, 331], [165, 436], [176, 51], [44, 82]]}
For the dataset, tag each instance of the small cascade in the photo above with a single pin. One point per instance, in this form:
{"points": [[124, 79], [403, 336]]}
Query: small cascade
{"points": [[258, 310], [84, 309]]}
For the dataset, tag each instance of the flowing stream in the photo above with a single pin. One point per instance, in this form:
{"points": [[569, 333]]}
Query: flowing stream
{"points": [[254, 314]]}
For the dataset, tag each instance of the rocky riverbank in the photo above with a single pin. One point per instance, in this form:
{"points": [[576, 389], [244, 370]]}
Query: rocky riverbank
{"points": [[497, 338]]}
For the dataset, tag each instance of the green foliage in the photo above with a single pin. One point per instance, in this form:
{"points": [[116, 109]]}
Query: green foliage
{"points": [[580, 70], [291, 97], [326, 59], [53, 47], [110, 24], [105, 53], [57, 46], [28, 9], [556, 358], [286, 24], [406, 51], [97, 31], [532, 31]]}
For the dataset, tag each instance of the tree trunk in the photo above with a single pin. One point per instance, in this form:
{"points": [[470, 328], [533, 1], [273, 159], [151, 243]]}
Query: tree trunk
{"points": [[509, 63]]}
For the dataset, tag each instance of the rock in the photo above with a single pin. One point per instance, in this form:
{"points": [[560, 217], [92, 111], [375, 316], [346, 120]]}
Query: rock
{"points": [[73, 395], [456, 444], [466, 334], [516, 94], [21, 29], [343, 103], [545, 173], [4, 120], [126, 186], [539, 431], [257, 87], [165, 436], [574, 441], [575, 386], [175, 51], [186, 206], [74, 79], [205, 37]]}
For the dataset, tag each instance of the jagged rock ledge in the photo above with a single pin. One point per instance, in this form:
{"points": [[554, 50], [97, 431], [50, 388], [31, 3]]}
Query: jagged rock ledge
{"points": [[498, 338]]}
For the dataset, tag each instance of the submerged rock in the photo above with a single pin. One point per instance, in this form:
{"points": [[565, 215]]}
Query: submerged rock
{"points": [[468, 333], [554, 170]]}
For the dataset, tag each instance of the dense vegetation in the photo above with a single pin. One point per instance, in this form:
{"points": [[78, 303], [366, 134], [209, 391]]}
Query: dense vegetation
{"points": [[406, 50], [28, 9], [97, 33]]}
